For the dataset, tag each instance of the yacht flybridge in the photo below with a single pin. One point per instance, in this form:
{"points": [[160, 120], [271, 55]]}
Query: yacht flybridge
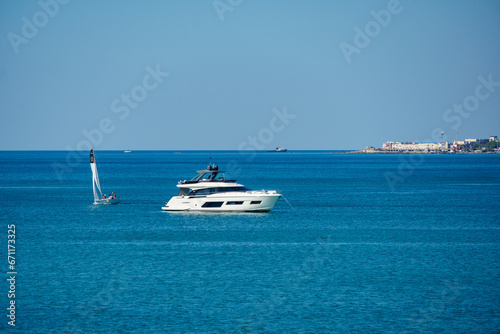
{"points": [[208, 191]]}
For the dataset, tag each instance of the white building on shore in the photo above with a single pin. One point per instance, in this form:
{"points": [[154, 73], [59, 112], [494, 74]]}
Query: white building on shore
{"points": [[412, 146], [468, 145]]}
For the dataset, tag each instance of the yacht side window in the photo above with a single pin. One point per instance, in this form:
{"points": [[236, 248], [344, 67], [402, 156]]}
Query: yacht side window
{"points": [[183, 192], [201, 192]]}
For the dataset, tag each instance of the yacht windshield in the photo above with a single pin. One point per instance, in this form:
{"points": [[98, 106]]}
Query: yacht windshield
{"points": [[207, 176], [209, 191]]}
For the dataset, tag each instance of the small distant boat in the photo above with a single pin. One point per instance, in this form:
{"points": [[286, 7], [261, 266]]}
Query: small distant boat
{"points": [[127, 151], [278, 149], [98, 197]]}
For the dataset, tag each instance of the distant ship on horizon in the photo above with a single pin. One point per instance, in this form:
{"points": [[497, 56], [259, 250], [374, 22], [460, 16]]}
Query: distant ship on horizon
{"points": [[278, 149]]}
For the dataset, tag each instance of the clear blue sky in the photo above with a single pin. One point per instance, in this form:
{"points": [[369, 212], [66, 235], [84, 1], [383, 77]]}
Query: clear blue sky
{"points": [[77, 66]]}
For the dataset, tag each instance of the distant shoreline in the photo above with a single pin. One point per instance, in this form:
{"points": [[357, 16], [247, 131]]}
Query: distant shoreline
{"points": [[415, 152], [258, 151], [204, 151]]}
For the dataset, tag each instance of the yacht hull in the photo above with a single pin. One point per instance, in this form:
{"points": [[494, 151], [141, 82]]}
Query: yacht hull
{"points": [[107, 201], [234, 202]]}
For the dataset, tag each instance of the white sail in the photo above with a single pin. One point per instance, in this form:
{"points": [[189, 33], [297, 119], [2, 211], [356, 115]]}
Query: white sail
{"points": [[95, 178]]}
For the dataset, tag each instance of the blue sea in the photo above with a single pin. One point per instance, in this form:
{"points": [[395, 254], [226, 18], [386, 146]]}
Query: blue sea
{"points": [[367, 244]]}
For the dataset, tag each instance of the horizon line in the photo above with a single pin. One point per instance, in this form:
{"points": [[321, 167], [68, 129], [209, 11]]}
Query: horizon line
{"points": [[153, 150]]}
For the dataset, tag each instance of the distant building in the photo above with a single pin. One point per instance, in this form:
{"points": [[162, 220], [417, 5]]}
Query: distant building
{"points": [[387, 146], [444, 146], [467, 145], [369, 149], [426, 146], [411, 146]]}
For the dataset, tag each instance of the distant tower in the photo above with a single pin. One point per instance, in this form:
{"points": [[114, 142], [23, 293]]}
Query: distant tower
{"points": [[456, 135], [442, 133]]}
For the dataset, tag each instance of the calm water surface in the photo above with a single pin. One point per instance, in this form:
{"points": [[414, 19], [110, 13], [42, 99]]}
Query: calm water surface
{"points": [[373, 244]]}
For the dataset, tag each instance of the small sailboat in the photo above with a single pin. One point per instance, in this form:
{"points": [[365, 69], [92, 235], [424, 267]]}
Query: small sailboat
{"points": [[98, 196]]}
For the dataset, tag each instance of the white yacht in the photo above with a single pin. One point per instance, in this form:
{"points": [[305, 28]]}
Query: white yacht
{"points": [[208, 191]]}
